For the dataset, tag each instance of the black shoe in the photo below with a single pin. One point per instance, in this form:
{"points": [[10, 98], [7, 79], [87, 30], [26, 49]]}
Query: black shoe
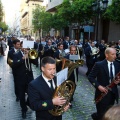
{"points": [[94, 116], [23, 115], [17, 99]]}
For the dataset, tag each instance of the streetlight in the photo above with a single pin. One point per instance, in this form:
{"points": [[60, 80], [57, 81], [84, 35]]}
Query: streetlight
{"points": [[98, 6]]}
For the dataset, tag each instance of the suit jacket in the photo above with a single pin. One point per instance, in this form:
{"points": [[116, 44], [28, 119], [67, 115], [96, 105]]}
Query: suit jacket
{"points": [[100, 76], [10, 43], [72, 76], [22, 74], [40, 98], [102, 51], [90, 59]]}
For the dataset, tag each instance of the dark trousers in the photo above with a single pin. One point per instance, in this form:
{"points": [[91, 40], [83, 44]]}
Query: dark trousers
{"points": [[105, 104], [22, 90]]}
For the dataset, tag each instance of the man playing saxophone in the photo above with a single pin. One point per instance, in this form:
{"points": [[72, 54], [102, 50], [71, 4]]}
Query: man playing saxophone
{"points": [[41, 90]]}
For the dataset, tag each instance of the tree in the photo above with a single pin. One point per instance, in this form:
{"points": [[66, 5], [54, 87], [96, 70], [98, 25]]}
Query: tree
{"points": [[78, 11], [1, 12], [41, 19], [3, 26], [113, 11]]}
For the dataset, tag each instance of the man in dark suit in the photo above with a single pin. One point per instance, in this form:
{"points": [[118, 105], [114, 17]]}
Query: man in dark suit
{"points": [[10, 42], [74, 75], [59, 54], [100, 77], [40, 92], [24, 75], [91, 58], [10, 56], [102, 48]]}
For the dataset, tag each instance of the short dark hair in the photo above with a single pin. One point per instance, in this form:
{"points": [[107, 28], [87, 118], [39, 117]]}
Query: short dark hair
{"points": [[47, 60], [59, 44], [15, 41]]}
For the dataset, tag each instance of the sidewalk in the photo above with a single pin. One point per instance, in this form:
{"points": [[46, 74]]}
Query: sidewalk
{"points": [[83, 105]]}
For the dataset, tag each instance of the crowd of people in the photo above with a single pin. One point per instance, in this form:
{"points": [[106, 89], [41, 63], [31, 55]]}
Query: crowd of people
{"points": [[100, 73]]}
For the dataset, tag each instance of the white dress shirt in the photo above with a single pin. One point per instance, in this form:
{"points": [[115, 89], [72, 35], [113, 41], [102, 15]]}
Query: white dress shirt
{"points": [[113, 68], [47, 81]]}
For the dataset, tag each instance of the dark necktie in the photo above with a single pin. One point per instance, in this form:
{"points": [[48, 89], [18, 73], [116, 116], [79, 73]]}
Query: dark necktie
{"points": [[50, 81], [111, 72]]}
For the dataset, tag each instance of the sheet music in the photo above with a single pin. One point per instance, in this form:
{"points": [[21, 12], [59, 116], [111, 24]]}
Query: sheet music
{"points": [[43, 43], [62, 76], [74, 57], [28, 44]]}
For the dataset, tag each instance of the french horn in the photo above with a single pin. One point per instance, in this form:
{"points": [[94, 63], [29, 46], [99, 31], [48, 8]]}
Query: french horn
{"points": [[67, 88]]}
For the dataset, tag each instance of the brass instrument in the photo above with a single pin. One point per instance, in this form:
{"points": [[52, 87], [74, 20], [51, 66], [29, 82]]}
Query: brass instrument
{"points": [[95, 51], [117, 51], [62, 54], [67, 88], [10, 62], [33, 54]]}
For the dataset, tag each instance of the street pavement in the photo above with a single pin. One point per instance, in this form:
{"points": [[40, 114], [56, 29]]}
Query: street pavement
{"points": [[82, 105]]}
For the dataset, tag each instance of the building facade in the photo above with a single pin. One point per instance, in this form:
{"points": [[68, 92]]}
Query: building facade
{"points": [[27, 6]]}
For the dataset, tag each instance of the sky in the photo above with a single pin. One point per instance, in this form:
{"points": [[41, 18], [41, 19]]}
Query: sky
{"points": [[11, 8]]}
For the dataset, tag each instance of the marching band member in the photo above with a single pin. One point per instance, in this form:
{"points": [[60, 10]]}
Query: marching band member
{"points": [[23, 75], [59, 54], [10, 56], [118, 51], [48, 49], [66, 43], [102, 48], [102, 75], [91, 56], [73, 77], [40, 92]]}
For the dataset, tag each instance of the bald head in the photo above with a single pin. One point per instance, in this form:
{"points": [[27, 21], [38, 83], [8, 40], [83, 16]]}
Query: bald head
{"points": [[109, 49], [110, 54]]}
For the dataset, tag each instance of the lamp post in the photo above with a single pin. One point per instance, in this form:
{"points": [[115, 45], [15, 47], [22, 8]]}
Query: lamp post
{"points": [[97, 7]]}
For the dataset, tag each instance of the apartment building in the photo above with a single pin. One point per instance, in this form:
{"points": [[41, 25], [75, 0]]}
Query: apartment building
{"points": [[26, 9]]}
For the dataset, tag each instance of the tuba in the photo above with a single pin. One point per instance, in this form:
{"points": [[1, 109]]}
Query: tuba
{"points": [[67, 88]]}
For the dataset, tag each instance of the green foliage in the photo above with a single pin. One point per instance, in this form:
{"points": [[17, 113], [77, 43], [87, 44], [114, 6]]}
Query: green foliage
{"points": [[77, 11], [1, 11], [41, 19], [113, 11], [3, 26]]}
